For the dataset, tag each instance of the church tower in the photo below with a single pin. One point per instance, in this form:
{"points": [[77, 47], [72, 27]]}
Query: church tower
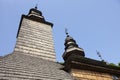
{"points": [[34, 55], [83, 68], [35, 36]]}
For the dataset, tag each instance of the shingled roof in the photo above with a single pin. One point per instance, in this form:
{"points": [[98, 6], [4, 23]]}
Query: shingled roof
{"points": [[18, 66]]}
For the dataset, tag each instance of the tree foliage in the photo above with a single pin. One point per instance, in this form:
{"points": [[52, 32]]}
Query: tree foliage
{"points": [[112, 64], [119, 64]]}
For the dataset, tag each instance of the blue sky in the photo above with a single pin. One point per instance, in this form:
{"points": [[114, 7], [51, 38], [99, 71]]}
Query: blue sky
{"points": [[94, 24]]}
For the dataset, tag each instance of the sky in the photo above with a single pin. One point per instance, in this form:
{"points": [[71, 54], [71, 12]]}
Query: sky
{"points": [[94, 24]]}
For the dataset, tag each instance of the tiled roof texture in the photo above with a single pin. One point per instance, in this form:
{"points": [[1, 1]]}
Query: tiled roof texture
{"points": [[18, 66]]}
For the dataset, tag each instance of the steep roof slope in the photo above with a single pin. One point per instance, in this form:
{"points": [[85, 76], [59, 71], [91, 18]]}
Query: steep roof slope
{"points": [[18, 66]]}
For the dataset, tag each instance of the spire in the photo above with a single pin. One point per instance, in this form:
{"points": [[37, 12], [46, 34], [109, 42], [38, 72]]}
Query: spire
{"points": [[66, 31], [36, 6], [69, 41], [71, 47], [36, 14]]}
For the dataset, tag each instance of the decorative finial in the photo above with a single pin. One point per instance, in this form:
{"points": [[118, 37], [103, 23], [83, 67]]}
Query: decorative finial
{"points": [[99, 55], [66, 31], [36, 6]]}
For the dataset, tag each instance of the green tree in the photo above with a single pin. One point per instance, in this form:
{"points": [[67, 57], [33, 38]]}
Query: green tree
{"points": [[119, 64], [112, 64]]}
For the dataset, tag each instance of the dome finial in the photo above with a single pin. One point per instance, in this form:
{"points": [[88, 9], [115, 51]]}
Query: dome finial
{"points": [[66, 31], [36, 6]]}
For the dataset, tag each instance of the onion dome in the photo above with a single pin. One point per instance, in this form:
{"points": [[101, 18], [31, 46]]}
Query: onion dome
{"points": [[71, 47]]}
